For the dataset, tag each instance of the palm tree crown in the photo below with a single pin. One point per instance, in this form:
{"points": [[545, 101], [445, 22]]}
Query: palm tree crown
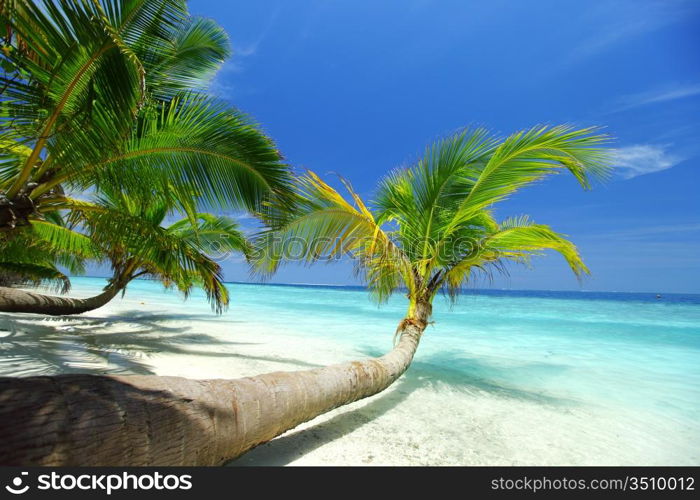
{"points": [[149, 241], [432, 225], [112, 93], [102, 97]]}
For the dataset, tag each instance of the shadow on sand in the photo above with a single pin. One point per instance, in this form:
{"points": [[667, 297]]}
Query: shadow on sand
{"points": [[32, 345]]}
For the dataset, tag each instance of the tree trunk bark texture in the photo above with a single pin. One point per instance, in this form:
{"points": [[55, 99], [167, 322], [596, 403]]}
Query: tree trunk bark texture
{"points": [[149, 420], [14, 300]]}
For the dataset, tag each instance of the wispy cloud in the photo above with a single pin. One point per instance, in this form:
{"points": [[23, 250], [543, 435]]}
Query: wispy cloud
{"points": [[670, 93], [640, 159], [655, 231], [220, 85], [623, 20], [247, 49]]}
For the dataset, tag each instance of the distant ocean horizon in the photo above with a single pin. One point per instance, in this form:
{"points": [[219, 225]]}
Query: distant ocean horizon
{"points": [[554, 293]]}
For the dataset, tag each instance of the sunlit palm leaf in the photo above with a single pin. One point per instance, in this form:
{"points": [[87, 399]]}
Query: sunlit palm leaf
{"points": [[195, 147], [441, 213], [327, 226], [35, 275], [519, 236]]}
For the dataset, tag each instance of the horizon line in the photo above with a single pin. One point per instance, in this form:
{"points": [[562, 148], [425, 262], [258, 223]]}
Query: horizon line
{"points": [[320, 285]]}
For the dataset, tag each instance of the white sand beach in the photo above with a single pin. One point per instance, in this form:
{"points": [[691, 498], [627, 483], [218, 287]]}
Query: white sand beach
{"points": [[424, 419]]}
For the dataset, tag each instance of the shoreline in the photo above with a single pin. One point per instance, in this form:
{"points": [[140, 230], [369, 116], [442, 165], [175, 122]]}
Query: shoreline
{"points": [[483, 419]]}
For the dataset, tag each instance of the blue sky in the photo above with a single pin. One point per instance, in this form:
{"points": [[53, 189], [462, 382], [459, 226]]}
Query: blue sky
{"points": [[359, 87]]}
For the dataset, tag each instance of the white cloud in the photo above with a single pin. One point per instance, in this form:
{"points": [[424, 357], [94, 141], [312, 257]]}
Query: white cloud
{"points": [[656, 96], [219, 85], [641, 159], [249, 49], [646, 232], [611, 35], [625, 19], [246, 50]]}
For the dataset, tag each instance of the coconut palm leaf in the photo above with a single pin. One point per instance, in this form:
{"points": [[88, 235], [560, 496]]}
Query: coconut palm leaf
{"points": [[181, 255], [520, 236], [528, 156], [100, 94], [191, 146], [35, 253], [64, 239], [34, 275], [516, 239], [432, 225], [327, 226], [420, 198], [188, 61], [215, 235], [74, 62]]}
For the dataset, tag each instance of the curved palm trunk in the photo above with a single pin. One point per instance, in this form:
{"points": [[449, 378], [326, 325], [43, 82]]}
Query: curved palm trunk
{"points": [[13, 300], [149, 420]]}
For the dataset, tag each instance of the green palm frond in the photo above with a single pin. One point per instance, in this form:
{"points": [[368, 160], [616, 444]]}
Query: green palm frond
{"points": [[190, 59], [441, 212], [103, 95], [74, 62], [212, 234], [517, 239], [180, 255], [420, 199], [105, 98], [13, 155], [326, 226], [192, 147], [33, 275], [64, 239], [520, 237], [35, 253], [528, 156]]}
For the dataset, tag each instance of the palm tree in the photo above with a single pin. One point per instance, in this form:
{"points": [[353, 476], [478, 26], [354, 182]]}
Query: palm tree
{"points": [[110, 95], [34, 255], [109, 92], [430, 228], [132, 237]]}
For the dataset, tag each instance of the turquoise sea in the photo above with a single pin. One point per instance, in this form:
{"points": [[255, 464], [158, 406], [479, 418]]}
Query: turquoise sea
{"points": [[621, 348], [632, 355]]}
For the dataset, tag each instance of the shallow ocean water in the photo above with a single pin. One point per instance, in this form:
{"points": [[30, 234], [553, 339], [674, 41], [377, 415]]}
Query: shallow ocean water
{"points": [[519, 377]]}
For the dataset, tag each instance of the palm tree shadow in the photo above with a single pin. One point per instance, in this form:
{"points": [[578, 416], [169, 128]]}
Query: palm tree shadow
{"points": [[289, 447], [31, 346]]}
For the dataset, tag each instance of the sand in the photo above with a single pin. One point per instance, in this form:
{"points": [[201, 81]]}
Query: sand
{"points": [[421, 420]]}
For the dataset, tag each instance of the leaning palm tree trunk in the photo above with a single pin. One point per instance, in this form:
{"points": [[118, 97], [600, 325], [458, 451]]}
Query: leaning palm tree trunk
{"points": [[14, 300], [150, 420]]}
